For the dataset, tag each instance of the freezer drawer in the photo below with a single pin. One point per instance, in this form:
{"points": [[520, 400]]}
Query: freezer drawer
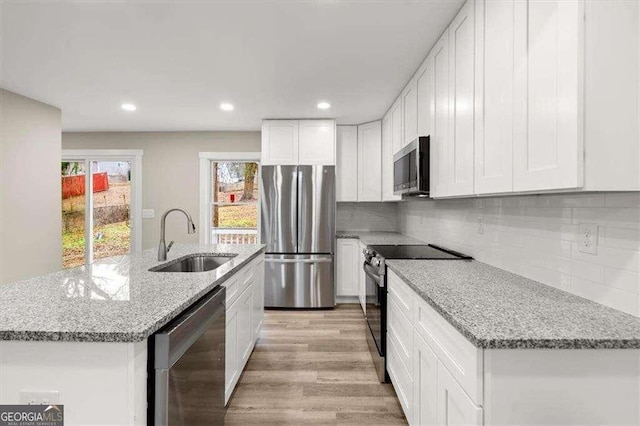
{"points": [[299, 281]]}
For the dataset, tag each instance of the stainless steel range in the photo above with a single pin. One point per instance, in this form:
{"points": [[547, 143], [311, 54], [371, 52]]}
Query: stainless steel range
{"points": [[375, 269]]}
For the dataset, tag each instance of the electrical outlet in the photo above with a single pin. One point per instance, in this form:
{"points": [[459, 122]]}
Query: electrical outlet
{"points": [[148, 213], [421, 220], [588, 242], [39, 397], [480, 225]]}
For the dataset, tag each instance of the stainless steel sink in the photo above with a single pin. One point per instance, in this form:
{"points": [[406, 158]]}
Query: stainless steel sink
{"points": [[198, 262]]}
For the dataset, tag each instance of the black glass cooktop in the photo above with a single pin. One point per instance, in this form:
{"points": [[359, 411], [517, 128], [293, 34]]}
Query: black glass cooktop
{"points": [[416, 252]]}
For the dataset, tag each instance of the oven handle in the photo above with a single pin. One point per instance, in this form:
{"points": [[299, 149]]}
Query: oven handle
{"points": [[372, 273]]}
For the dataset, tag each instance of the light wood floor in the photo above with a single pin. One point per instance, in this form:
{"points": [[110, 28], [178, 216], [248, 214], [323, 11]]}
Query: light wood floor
{"points": [[313, 367]]}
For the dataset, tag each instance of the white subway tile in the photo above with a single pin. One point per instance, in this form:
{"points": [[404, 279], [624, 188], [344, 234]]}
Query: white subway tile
{"points": [[621, 279], [617, 299]]}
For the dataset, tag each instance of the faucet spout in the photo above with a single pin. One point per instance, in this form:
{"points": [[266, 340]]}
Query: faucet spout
{"points": [[163, 249]]}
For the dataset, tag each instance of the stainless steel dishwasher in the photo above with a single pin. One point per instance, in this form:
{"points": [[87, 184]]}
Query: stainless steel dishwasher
{"points": [[189, 365]]}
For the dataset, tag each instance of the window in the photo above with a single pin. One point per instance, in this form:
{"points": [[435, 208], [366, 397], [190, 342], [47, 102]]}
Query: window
{"points": [[100, 213], [229, 204]]}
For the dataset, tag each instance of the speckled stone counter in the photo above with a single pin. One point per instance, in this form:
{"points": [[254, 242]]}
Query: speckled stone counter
{"points": [[379, 238], [494, 308], [113, 300]]}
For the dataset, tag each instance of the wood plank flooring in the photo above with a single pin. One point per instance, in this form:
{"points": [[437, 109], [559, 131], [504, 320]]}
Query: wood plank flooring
{"points": [[313, 367]]}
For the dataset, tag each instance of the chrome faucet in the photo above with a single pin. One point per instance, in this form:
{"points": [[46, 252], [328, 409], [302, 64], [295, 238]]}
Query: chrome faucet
{"points": [[163, 249]]}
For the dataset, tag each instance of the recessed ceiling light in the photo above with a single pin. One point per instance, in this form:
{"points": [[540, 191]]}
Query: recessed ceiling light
{"points": [[324, 105], [225, 106], [128, 107]]}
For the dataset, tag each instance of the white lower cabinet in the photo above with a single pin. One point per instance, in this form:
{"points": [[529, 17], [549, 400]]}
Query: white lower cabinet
{"points": [[454, 407], [417, 362], [231, 358], [347, 261], [425, 385], [244, 316]]}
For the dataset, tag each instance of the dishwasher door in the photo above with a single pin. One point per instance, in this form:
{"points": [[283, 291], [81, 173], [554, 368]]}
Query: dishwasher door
{"points": [[189, 365]]}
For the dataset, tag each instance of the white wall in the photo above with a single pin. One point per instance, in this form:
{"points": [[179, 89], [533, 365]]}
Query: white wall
{"points": [[30, 188], [537, 237], [170, 170], [367, 217]]}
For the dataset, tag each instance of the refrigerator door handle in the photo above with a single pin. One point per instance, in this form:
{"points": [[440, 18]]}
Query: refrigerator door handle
{"points": [[323, 260]]}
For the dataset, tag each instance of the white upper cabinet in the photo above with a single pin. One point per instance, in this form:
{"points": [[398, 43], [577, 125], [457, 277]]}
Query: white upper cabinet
{"points": [[548, 84], [279, 142], [440, 124], [495, 35], [370, 159], [460, 163], [347, 163], [426, 100], [310, 142], [410, 112], [317, 142], [387, 160], [397, 123]]}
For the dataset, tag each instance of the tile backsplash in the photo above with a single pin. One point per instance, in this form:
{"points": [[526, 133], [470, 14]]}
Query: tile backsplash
{"points": [[367, 217], [539, 237]]}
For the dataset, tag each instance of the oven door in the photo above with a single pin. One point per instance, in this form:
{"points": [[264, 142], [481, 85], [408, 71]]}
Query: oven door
{"points": [[376, 298]]}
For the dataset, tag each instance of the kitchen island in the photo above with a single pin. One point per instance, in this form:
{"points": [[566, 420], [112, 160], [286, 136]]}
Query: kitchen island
{"points": [[83, 332]]}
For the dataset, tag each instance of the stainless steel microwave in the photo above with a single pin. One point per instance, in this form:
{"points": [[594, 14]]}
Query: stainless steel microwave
{"points": [[411, 169]]}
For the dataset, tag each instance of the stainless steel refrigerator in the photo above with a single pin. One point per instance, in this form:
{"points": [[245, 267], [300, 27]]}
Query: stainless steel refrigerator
{"points": [[297, 224]]}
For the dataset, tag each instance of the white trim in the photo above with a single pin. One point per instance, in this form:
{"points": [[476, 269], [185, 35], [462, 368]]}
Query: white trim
{"points": [[133, 155], [205, 186], [231, 156], [102, 153]]}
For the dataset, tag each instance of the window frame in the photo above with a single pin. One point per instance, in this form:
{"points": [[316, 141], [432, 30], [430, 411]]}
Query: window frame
{"points": [[206, 158]]}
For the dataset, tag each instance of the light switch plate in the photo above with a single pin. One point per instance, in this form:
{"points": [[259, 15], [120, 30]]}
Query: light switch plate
{"points": [[148, 213], [480, 225], [588, 241]]}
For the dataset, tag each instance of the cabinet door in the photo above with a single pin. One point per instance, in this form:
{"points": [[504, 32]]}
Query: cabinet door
{"points": [[440, 131], [455, 408], [387, 160], [495, 35], [461, 95], [258, 297], [279, 142], [347, 260], [549, 47], [425, 97], [231, 356], [425, 383], [317, 142], [245, 329], [347, 163], [397, 132], [369, 161], [410, 112]]}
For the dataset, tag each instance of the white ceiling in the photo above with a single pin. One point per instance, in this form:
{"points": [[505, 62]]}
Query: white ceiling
{"points": [[178, 60]]}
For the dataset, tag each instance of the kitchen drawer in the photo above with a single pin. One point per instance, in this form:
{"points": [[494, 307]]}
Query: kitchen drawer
{"points": [[461, 358], [233, 290], [402, 331], [246, 275], [402, 293], [400, 377]]}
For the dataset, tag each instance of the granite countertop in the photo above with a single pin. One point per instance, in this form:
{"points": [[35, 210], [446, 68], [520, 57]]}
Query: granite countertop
{"points": [[497, 309], [112, 300], [379, 238]]}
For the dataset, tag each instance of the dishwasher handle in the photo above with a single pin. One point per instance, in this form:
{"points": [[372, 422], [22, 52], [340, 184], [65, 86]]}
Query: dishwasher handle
{"points": [[178, 336]]}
